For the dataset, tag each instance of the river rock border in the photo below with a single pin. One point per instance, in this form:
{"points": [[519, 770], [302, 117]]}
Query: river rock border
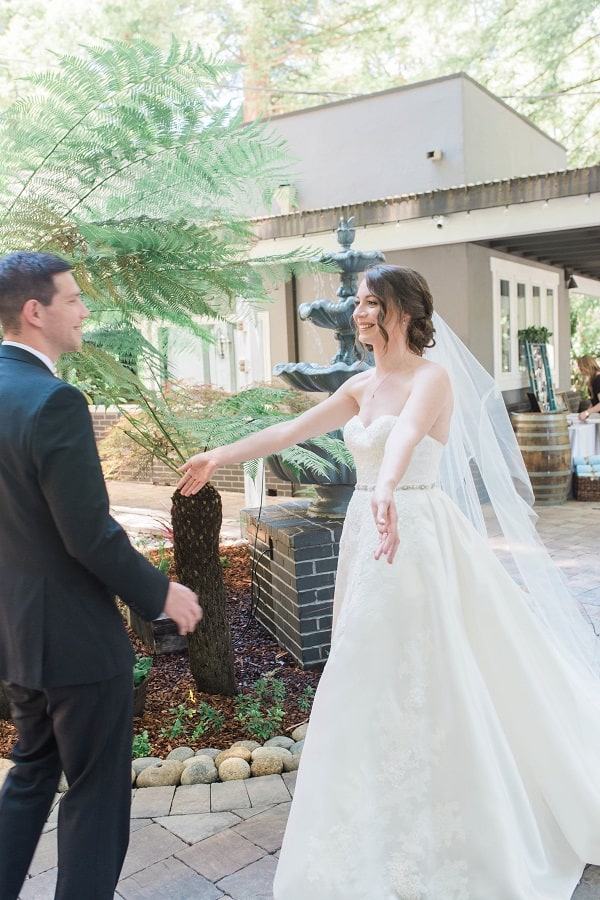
{"points": [[183, 765]]}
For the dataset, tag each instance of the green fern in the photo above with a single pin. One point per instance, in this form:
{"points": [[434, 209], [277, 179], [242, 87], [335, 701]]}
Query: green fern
{"points": [[171, 423], [124, 162]]}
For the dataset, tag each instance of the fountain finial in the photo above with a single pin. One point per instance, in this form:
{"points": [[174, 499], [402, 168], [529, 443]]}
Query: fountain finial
{"points": [[346, 232]]}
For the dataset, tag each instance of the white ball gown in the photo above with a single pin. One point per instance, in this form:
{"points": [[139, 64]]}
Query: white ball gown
{"points": [[452, 752]]}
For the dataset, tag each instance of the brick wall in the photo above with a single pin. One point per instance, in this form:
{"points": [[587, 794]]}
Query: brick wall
{"points": [[296, 561]]}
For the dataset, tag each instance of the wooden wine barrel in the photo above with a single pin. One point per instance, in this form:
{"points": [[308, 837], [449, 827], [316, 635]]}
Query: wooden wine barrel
{"points": [[544, 442]]}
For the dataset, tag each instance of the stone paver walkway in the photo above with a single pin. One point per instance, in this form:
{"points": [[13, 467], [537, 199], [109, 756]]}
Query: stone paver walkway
{"points": [[202, 842]]}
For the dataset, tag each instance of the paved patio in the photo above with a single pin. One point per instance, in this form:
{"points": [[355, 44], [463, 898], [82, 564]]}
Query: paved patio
{"points": [[203, 842]]}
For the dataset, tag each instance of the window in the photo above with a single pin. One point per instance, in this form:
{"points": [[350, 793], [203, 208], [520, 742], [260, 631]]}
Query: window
{"points": [[522, 296]]}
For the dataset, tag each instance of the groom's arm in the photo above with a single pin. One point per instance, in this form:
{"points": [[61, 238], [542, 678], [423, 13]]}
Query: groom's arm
{"points": [[71, 479]]}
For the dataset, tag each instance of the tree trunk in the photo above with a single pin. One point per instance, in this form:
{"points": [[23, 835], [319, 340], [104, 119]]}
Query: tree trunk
{"points": [[196, 530]]}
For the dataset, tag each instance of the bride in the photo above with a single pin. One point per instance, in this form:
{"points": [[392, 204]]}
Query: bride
{"points": [[453, 746]]}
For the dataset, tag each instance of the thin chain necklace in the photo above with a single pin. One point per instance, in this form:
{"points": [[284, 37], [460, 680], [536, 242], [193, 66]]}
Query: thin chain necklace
{"points": [[380, 383]]}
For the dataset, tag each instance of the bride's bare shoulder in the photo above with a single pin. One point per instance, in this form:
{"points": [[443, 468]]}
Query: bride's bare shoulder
{"points": [[432, 371], [356, 383]]}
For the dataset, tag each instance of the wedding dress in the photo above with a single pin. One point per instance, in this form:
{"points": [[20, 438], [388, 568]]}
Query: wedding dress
{"points": [[453, 751]]}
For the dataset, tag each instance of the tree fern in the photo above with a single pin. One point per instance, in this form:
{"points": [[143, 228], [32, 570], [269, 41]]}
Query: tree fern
{"points": [[125, 162]]}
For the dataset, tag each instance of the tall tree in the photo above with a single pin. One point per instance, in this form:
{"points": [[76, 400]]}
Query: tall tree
{"points": [[543, 56], [124, 162]]}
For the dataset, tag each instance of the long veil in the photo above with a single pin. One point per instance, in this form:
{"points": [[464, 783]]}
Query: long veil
{"points": [[483, 471]]}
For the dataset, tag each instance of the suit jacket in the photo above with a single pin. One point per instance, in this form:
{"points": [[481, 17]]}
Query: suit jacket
{"points": [[62, 556]]}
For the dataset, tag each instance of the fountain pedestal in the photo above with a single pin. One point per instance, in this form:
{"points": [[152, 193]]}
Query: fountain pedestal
{"points": [[297, 543], [294, 578]]}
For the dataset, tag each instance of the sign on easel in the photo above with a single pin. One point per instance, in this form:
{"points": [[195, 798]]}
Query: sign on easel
{"points": [[540, 377]]}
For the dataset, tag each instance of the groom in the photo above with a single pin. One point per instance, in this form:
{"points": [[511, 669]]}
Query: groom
{"points": [[65, 658]]}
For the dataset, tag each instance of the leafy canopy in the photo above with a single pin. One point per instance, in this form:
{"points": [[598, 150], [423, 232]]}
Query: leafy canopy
{"points": [[542, 56], [126, 162]]}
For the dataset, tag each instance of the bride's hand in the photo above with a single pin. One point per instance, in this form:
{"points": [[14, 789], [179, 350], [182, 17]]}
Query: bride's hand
{"points": [[386, 522], [198, 470]]}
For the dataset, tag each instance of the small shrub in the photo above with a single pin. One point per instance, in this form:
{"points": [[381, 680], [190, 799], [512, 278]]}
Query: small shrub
{"points": [[304, 701], [141, 667], [209, 720], [260, 712], [141, 746], [178, 726]]}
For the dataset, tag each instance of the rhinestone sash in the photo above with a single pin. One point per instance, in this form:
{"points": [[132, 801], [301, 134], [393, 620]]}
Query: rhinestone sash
{"points": [[401, 487]]}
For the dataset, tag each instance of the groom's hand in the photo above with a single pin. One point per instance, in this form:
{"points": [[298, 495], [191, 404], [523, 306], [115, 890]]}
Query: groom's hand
{"points": [[182, 606]]}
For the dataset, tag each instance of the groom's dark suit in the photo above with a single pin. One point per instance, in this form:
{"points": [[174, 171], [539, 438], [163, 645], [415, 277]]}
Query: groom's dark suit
{"points": [[64, 652]]}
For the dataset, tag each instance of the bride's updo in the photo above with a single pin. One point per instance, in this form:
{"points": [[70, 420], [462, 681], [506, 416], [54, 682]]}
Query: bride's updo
{"points": [[406, 291]]}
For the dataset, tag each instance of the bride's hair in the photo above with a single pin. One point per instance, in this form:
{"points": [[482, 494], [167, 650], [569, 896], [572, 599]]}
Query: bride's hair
{"points": [[406, 291]]}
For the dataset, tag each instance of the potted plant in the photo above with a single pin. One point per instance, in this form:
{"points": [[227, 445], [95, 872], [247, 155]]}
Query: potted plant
{"points": [[141, 676], [534, 334]]}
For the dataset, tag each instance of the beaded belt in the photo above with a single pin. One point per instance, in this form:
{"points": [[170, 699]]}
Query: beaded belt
{"points": [[401, 487]]}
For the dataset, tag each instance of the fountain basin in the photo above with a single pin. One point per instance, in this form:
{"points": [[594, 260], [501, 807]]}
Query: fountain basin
{"points": [[324, 379]]}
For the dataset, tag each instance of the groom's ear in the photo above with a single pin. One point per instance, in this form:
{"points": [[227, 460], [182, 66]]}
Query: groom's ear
{"points": [[31, 313]]}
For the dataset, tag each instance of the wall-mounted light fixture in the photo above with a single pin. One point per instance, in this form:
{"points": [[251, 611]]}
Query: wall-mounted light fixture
{"points": [[570, 282], [222, 343]]}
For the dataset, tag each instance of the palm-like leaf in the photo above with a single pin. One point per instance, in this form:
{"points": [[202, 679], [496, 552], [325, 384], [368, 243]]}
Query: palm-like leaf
{"points": [[124, 162]]}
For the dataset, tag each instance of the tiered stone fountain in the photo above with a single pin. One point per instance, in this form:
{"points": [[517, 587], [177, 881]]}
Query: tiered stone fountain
{"points": [[297, 543]]}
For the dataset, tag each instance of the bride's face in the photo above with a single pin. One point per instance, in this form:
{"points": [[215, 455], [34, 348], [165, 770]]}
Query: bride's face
{"points": [[367, 315]]}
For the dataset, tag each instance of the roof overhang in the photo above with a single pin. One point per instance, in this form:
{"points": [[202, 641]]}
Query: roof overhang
{"points": [[553, 218]]}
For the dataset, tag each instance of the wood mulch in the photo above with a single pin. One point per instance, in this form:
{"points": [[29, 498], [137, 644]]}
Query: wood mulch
{"points": [[256, 654]]}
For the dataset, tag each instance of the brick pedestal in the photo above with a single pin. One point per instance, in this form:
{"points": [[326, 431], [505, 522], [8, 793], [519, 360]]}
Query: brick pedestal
{"points": [[297, 560]]}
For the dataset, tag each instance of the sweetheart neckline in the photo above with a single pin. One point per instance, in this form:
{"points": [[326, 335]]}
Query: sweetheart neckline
{"points": [[389, 416]]}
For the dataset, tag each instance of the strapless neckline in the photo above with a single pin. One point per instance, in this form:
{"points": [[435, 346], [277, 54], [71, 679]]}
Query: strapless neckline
{"points": [[387, 416]]}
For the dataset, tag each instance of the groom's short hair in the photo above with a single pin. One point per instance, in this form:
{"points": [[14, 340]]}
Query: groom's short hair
{"points": [[26, 275]]}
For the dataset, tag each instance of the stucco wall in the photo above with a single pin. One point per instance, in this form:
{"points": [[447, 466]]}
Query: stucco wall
{"points": [[499, 144], [376, 146]]}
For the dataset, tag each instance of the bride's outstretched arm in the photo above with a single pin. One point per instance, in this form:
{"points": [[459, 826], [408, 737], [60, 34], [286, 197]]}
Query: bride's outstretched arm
{"points": [[326, 416], [429, 403]]}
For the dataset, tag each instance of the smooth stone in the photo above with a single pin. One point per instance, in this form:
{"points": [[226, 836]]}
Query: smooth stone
{"points": [[297, 748], [280, 741], [181, 753], [208, 751], [280, 751], [204, 756], [237, 752], [234, 768], [143, 762], [164, 773], [199, 770], [267, 761], [292, 764], [299, 733], [249, 745]]}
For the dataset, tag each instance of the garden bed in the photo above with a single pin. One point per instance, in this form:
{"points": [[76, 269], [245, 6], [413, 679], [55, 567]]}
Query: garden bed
{"points": [[171, 684]]}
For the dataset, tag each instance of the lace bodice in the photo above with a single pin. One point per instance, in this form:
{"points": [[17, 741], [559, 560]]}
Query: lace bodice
{"points": [[367, 444]]}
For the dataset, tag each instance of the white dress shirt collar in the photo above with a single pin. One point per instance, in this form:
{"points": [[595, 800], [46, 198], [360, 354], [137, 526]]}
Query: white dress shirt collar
{"points": [[45, 359]]}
